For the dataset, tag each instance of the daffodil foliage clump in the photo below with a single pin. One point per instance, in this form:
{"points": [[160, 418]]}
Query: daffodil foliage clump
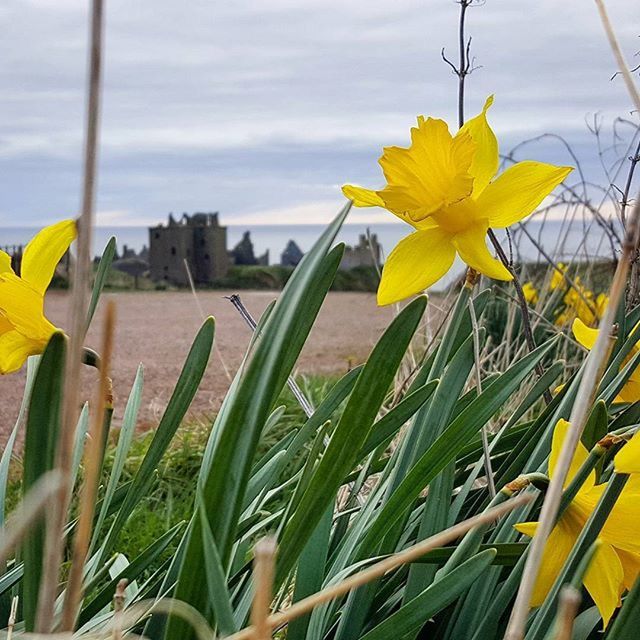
{"points": [[389, 456]]}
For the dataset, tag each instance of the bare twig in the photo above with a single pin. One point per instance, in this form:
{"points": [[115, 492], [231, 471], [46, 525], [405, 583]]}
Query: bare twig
{"points": [[383, 567], [93, 463], [78, 313], [306, 405]]}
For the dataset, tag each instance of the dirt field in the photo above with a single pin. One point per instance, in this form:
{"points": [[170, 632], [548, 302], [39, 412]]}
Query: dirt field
{"points": [[156, 328]]}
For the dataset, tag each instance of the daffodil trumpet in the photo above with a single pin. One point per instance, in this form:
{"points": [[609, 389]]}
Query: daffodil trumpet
{"points": [[24, 329], [446, 188]]}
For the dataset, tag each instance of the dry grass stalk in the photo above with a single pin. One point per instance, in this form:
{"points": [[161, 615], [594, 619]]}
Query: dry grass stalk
{"points": [[263, 572], [12, 617], [379, 569], [568, 606], [118, 608], [27, 513], [77, 326], [93, 464], [596, 361]]}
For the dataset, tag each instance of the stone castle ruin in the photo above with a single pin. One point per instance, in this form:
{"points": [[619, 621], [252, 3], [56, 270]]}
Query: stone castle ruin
{"points": [[199, 239], [367, 253]]}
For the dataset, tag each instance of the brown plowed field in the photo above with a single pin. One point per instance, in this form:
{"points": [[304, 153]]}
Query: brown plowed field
{"points": [[156, 328]]}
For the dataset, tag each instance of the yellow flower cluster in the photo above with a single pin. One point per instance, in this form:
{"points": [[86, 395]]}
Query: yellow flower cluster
{"points": [[530, 293], [616, 564], [579, 302]]}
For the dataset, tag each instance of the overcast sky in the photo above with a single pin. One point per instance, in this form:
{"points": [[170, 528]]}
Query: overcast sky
{"points": [[261, 109]]}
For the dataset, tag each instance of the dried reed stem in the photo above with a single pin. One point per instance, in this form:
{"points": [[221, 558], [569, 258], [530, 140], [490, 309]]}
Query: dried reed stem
{"points": [[77, 326], [93, 464], [118, 608], [263, 572], [568, 606], [379, 569], [596, 360], [12, 617]]}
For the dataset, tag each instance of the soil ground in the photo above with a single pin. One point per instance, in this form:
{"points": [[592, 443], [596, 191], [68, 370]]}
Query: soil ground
{"points": [[157, 328]]}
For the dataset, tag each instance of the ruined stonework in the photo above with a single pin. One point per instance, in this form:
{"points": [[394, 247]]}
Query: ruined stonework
{"points": [[367, 253], [199, 239]]}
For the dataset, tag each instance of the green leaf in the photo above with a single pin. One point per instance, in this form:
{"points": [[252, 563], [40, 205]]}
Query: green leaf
{"points": [[185, 389], [350, 434], [5, 461], [231, 448], [410, 617], [41, 439], [446, 447], [388, 426], [130, 572], [597, 425], [219, 598], [101, 277], [627, 623]]}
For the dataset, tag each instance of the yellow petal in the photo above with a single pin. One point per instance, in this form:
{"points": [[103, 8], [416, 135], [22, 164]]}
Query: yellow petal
{"points": [[472, 247], [485, 160], [433, 172], [22, 306], [417, 261], [630, 565], [14, 351], [5, 262], [627, 459], [584, 335], [362, 197], [559, 434], [519, 190], [44, 252], [555, 554], [604, 580], [621, 527]]}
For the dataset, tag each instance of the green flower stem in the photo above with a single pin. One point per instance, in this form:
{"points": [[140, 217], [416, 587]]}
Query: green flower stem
{"points": [[587, 537]]}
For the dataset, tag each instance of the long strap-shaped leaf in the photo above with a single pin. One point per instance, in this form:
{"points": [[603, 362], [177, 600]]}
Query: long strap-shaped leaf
{"points": [[231, 449], [446, 447], [351, 433]]}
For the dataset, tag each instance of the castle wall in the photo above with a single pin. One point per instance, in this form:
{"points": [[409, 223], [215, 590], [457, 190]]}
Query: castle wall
{"points": [[168, 248], [199, 239]]}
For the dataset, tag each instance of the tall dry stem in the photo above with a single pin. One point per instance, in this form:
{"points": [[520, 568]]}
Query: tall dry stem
{"points": [[596, 360], [77, 326], [93, 465]]}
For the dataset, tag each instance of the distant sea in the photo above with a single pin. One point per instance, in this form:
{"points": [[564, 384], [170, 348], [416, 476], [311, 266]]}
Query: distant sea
{"points": [[578, 239]]}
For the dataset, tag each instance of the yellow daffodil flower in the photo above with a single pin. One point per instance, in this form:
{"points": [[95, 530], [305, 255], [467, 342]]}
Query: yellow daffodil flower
{"points": [[581, 303], [616, 563], [557, 279], [443, 186], [530, 292], [24, 330], [587, 338]]}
